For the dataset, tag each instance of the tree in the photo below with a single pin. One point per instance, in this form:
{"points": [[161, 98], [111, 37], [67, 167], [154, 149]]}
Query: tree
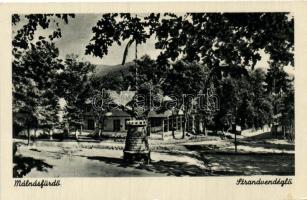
{"points": [[184, 81], [228, 44], [26, 34], [74, 86], [244, 101], [35, 63], [262, 100], [224, 42], [233, 39], [229, 93], [280, 88], [288, 113], [107, 30], [277, 79], [151, 77], [34, 96]]}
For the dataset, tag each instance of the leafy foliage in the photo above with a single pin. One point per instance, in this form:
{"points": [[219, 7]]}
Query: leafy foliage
{"points": [[232, 39], [74, 86], [34, 75], [109, 30], [35, 68], [25, 35], [228, 44], [199, 51]]}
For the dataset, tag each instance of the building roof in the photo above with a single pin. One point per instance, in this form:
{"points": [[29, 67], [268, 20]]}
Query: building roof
{"points": [[117, 113], [155, 114], [167, 98], [121, 98]]}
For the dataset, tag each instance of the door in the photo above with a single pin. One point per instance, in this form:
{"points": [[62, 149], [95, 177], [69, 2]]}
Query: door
{"points": [[116, 125], [90, 124]]}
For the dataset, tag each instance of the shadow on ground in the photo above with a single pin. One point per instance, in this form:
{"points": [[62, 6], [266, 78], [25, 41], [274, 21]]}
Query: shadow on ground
{"points": [[170, 168], [257, 141], [260, 141], [288, 147], [216, 165], [249, 164], [23, 165], [263, 136]]}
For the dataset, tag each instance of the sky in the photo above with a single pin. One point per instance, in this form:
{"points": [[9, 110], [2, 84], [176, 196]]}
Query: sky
{"points": [[78, 33]]}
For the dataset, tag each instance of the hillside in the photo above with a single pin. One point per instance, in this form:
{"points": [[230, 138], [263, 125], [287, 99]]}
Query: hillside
{"points": [[102, 70]]}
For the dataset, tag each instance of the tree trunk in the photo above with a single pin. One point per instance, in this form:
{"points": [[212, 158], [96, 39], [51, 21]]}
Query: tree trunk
{"points": [[136, 69], [173, 130], [34, 138], [205, 127], [276, 130], [148, 127], [101, 128], [51, 133], [236, 141], [68, 125], [163, 129], [81, 128], [184, 126], [28, 130], [193, 130]]}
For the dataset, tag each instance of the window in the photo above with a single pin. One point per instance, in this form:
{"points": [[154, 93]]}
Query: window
{"points": [[154, 122]]}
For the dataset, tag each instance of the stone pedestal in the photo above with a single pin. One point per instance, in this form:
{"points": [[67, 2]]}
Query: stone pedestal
{"points": [[136, 146]]}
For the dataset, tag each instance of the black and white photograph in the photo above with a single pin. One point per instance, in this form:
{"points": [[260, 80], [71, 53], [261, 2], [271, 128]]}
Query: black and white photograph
{"points": [[183, 94]]}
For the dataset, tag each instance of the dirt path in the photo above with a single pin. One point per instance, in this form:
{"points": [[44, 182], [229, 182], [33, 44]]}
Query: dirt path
{"points": [[55, 161]]}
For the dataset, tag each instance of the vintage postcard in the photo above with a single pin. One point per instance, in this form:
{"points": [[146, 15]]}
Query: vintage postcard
{"points": [[153, 101]]}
